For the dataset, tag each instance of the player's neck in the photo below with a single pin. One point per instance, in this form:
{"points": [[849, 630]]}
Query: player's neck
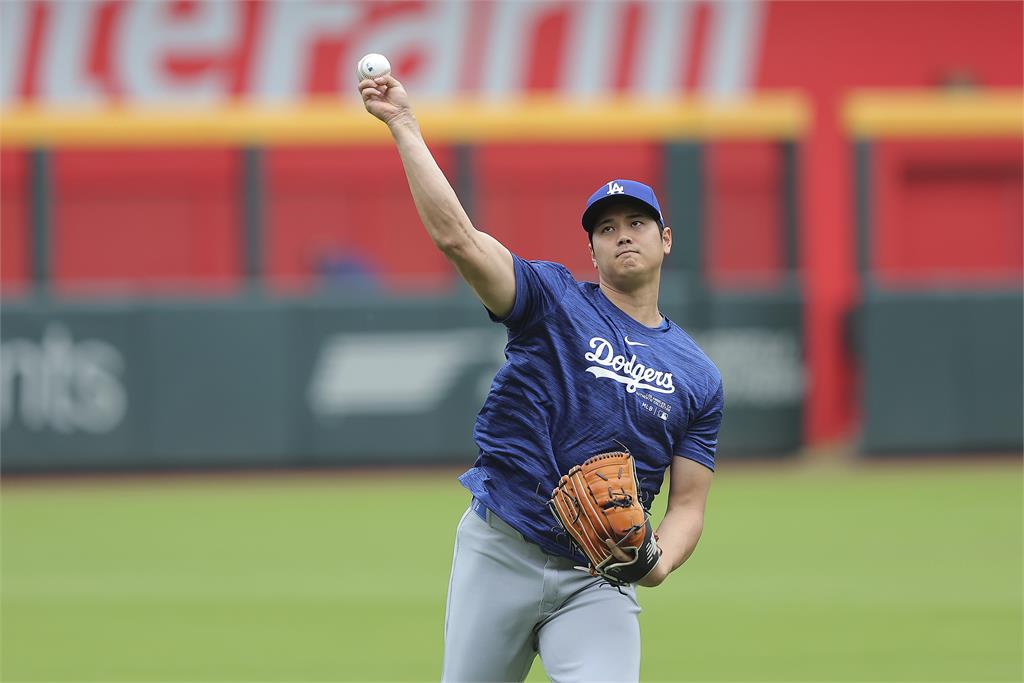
{"points": [[640, 303]]}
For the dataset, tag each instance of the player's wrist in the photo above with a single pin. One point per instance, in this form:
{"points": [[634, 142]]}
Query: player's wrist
{"points": [[657, 575], [403, 121]]}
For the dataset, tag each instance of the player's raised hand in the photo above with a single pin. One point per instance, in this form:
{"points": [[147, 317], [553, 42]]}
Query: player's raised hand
{"points": [[385, 98]]}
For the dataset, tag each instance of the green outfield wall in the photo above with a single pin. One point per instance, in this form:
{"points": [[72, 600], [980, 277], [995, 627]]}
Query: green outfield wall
{"points": [[942, 371], [326, 381], [322, 381]]}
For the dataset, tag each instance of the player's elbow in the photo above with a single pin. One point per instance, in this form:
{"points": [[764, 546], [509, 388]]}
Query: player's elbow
{"points": [[459, 247], [454, 239], [452, 246]]}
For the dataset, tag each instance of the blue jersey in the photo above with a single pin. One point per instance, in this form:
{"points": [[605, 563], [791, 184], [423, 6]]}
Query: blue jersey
{"points": [[581, 378]]}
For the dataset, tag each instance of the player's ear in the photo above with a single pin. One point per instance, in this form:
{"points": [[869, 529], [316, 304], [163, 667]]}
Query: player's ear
{"points": [[666, 239], [593, 259]]}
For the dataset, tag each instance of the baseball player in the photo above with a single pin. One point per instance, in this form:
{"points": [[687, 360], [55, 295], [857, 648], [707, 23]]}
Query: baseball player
{"points": [[590, 368]]}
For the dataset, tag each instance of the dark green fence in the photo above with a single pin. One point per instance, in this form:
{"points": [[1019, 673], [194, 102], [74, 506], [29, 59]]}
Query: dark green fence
{"points": [[942, 371], [317, 382]]}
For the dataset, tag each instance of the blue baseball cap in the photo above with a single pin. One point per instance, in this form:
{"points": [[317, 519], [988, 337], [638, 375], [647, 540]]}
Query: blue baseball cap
{"points": [[616, 191]]}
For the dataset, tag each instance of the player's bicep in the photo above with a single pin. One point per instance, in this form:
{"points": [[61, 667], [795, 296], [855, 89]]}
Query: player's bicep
{"points": [[486, 266]]}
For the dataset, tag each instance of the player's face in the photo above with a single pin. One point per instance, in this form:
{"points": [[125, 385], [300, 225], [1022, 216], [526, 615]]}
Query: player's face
{"points": [[627, 245]]}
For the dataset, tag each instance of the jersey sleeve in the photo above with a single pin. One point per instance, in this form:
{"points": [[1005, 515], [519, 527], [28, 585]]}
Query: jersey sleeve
{"points": [[701, 439], [540, 285]]}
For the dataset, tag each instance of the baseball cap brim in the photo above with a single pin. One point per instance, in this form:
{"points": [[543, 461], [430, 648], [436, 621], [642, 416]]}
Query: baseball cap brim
{"points": [[593, 211]]}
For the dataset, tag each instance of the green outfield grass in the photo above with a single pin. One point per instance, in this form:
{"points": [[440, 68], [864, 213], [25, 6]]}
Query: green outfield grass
{"points": [[908, 573]]}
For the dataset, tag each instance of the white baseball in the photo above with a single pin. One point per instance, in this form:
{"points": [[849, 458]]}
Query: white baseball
{"points": [[373, 65]]}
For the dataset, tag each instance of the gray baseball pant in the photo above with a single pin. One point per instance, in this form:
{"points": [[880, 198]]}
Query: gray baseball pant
{"points": [[508, 601]]}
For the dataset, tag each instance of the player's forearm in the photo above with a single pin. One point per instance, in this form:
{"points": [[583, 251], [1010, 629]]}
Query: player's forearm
{"points": [[678, 534], [439, 208]]}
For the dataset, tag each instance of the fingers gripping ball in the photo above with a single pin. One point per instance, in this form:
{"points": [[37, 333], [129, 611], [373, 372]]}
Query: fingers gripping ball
{"points": [[599, 501], [373, 65]]}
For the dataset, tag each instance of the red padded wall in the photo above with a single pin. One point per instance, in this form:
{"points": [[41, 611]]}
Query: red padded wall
{"points": [[349, 210], [15, 260], [745, 238], [146, 220], [826, 49], [530, 197], [948, 212]]}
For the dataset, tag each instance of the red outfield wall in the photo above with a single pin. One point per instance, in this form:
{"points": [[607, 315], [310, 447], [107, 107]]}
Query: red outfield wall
{"points": [[188, 201], [826, 49]]}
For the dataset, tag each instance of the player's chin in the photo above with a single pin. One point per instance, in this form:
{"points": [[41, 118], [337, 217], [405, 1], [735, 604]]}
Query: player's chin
{"points": [[631, 269], [627, 263]]}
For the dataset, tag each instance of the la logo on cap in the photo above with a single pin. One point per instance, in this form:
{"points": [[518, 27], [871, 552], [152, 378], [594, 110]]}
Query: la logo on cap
{"points": [[615, 188]]}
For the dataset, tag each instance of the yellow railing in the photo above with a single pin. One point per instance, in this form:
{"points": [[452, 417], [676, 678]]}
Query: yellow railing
{"points": [[918, 114], [893, 113], [781, 115]]}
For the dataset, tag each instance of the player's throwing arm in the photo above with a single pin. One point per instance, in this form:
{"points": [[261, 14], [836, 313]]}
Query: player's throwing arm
{"points": [[483, 262]]}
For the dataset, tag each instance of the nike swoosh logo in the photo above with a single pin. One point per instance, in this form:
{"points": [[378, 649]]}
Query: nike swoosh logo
{"points": [[633, 343]]}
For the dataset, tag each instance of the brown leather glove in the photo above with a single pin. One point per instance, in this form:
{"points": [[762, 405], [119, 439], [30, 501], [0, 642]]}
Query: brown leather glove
{"points": [[599, 501]]}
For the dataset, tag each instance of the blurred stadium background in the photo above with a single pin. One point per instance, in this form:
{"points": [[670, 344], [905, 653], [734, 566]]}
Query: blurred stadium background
{"points": [[226, 341]]}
